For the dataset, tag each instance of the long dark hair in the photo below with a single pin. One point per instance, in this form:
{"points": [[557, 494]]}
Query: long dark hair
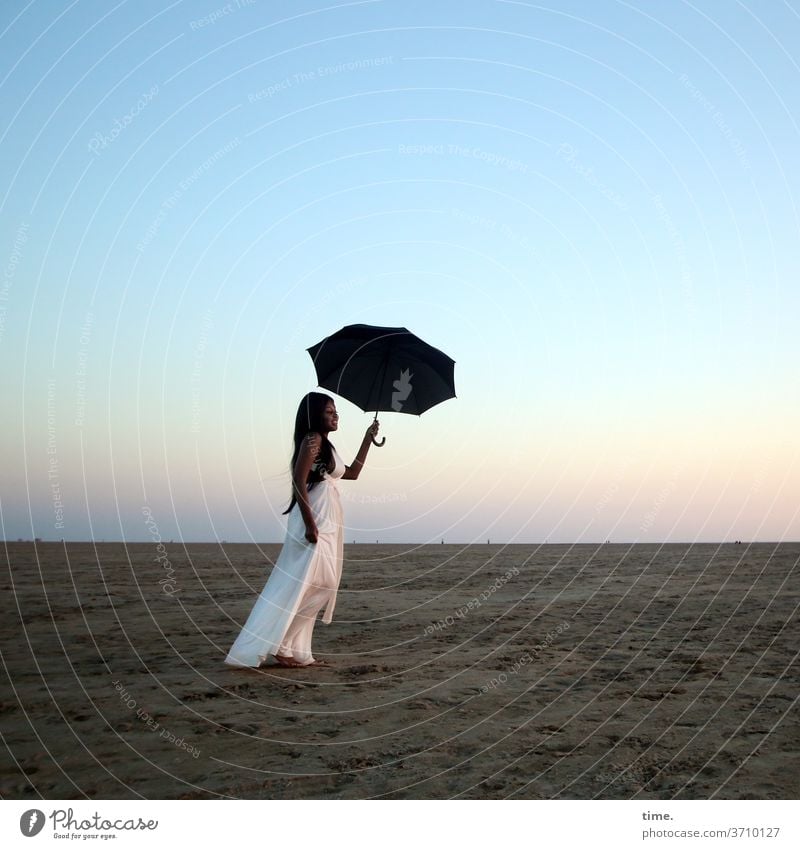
{"points": [[309, 420]]}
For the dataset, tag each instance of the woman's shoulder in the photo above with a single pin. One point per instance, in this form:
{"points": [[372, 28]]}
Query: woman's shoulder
{"points": [[312, 444]]}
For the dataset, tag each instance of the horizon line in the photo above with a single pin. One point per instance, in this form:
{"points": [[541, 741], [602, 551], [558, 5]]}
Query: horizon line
{"points": [[104, 541]]}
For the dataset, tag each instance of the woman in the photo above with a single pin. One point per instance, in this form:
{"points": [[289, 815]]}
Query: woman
{"points": [[306, 574]]}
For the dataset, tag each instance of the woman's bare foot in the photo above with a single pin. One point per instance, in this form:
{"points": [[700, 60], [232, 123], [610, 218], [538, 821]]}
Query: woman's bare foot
{"points": [[287, 662], [318, 663]]}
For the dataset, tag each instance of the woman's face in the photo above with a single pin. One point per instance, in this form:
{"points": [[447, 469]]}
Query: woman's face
{"points": [[330, 417]]}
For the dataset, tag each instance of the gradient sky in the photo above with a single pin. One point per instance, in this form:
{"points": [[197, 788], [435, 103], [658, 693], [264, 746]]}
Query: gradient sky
{"points": [[591, 206]]}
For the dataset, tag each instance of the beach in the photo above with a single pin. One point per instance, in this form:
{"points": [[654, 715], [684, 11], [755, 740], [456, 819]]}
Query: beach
{"points": [[486, 671]]}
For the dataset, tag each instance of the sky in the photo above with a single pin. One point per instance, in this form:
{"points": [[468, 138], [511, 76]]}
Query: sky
{"points": [[592, 207]]}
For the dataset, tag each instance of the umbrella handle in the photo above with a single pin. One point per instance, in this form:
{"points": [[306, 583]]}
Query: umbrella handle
{"points": [[383, 438]]}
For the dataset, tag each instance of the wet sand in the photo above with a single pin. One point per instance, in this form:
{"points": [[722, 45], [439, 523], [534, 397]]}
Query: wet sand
{"points": [[537, 672]]}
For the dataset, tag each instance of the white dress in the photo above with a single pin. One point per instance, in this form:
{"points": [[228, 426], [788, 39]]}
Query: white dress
{"points": [[303, 581]]}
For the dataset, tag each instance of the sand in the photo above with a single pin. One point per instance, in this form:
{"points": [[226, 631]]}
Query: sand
{"points": [[531, 672]]}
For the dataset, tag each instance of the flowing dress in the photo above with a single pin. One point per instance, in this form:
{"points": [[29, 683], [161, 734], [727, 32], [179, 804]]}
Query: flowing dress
{"points": [[303, 581]]}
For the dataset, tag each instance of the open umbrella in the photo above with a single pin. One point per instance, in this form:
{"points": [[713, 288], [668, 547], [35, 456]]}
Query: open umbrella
{"points": [[383, 368]]}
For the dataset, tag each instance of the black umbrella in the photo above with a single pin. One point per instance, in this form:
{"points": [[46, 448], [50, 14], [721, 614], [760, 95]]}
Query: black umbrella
{"points": [[383, 368]]}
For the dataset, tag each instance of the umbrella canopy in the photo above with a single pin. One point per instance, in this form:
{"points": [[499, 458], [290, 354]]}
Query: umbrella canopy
{"points": [[383, 368]]}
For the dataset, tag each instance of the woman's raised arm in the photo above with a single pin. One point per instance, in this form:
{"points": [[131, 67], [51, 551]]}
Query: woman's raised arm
{"points": [[351, 473]]}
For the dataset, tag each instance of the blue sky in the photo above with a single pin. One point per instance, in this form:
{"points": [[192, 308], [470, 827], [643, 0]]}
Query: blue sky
{"points": [[590, 206]]}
